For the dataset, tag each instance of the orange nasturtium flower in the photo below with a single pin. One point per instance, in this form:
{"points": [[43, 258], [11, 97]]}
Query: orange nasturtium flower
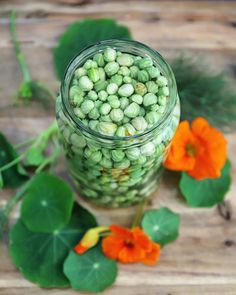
{"points": [[90, 239], [129, 246], [200, 151]]}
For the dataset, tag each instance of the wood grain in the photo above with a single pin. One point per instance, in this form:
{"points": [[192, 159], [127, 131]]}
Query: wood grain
{"points": [[203, 260]]}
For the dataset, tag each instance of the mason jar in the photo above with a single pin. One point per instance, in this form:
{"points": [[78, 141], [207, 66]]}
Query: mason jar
{"points": [[99, 178]]}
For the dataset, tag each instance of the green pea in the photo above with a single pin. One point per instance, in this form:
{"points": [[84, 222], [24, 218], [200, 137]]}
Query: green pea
{"points": [[125, 120], [106, 153], [97, 103], [153, 72], [129, 129], [132, 110], [137, 98], [102, 95], [145, 63], [106, 163], [85, 84], [100, 85], [123, 164], [112, 88], [105, 118], [121, 131], [92, 95], [93, 74], [127, 80], [124, 102], [105, 108], [139, 123], [134, 71], [80, 72], [102, 74], [124, 71], [111, 68], [133, 153], [164, 91], [117, 155], [99, 59], [96, 156], [162, 100], [116, 115], [152, 87], [109, 54], [87, 64], [143, 76], [87, 106], [107, 128], [77, 100], [117, 79], [75, 90], [94, 114], [149, 99], [155, 107], [125, 60], [162, 81], [113, 101], [93, 124], [126, 90], [147, 149], [152, 118], [79, 113], [140, 88]]}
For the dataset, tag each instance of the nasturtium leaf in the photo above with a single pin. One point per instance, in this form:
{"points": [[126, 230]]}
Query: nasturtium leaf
{"points": [[82, 34], [207, 192], [40, 256], [13, 176], [91, 271], [47, 204], [161, 225]]}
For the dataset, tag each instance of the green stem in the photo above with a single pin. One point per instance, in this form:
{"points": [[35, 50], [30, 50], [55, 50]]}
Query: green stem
{"points": [[139, 214], [52, 158], [12, 163], [6, 210], [19, 54], [24, 143]]}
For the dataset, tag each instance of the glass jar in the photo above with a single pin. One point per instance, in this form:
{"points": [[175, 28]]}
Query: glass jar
{"points": [[109, 183]]}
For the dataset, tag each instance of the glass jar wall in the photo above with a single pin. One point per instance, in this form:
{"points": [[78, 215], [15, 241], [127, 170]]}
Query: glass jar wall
{"points": [[101, 177]]}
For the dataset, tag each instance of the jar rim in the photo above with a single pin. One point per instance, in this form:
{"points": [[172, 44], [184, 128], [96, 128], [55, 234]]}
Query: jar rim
{"points": [[156, 56]]}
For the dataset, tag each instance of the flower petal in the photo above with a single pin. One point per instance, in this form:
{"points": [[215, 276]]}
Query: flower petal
{"points": [[178, 158], [153, 256], [112, 245]]}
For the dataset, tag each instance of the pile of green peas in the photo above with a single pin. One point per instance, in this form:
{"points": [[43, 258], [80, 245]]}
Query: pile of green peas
{"points": [[118, 95]]}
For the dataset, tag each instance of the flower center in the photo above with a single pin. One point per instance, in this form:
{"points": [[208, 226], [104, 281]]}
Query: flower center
{"points": [[129, 243], [191, 150]]}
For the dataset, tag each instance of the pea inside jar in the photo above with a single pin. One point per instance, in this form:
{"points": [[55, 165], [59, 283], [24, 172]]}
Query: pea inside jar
{"points": [[117, 113]]}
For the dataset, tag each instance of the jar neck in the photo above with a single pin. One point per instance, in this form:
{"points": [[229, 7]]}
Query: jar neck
{"points": [[132, 47]]}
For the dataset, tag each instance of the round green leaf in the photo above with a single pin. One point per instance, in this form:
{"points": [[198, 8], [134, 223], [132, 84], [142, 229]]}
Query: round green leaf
{"points": [[161, 225], [82, 34], [207, 192], [15, 175], [47, 205], [40, 256], [90, 272]]}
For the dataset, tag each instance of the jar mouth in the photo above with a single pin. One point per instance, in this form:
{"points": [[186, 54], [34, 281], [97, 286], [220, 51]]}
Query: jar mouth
{"points": [[128, 46]]}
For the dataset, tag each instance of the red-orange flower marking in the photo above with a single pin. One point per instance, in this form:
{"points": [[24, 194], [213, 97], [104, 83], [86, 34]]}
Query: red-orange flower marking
{"points": [[200, 151], [129, 246]]}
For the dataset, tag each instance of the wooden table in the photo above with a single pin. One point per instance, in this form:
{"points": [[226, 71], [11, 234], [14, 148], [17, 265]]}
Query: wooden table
{"points": [[203, 260]]}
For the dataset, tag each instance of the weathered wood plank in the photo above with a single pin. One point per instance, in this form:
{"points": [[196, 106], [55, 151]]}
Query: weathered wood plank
{"points": [[203, 258]]}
